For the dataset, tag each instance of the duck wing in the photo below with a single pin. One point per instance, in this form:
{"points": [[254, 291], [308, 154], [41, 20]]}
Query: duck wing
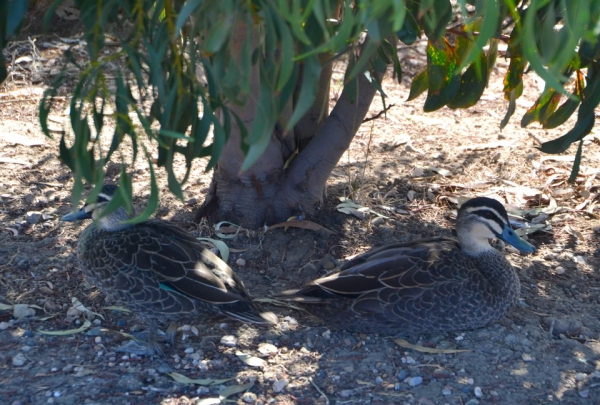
{"points": [[386, 274], [173, 261]]}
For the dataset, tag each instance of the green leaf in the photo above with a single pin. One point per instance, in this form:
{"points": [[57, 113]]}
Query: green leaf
{"points": [[436, 19], [418, 86], [534, 111], [152, 201], [581, 129], [441, 68], [512, 106], [576, 163], [16, 12], [186, 11], [472, 84], [410, 30], [308, 91], [562, 114]]}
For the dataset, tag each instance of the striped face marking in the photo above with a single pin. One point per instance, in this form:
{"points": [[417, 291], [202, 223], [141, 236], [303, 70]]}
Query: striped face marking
{"points": [[488, 216]]}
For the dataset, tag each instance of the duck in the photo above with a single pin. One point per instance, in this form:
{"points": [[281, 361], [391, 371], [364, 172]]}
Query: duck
{"points": [[158, 270], [423, 286]]}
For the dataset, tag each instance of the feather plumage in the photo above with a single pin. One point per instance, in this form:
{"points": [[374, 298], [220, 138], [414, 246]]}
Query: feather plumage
{"points": [[423, 286]]}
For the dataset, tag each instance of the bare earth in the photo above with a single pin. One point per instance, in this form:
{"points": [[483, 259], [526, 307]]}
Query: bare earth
{"points": [[408, 166]]}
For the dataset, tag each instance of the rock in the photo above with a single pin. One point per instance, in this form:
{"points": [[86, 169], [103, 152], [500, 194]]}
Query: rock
{"points": [[22, 311], [249, 397], [310, 271], [447, 391], [526, 357], [378, 380], [478, 393], [72, 314], [560, 270], [33, 217], [414, 381], [426, 401], [580, 376], [19, 360], [584, 393], [402, 374], [4, 325], [472, 402], [279, 385], [240, 262], [229, 341], [470, 381]]}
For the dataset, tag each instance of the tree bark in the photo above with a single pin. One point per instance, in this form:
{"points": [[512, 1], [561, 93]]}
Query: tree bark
{"points": [[267, 193]]}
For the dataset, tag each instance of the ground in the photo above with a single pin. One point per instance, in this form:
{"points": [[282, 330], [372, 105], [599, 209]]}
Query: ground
{"points": [[407, 165]]}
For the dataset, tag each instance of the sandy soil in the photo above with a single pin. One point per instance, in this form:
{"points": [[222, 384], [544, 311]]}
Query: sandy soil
{"points": [[546, 351]]}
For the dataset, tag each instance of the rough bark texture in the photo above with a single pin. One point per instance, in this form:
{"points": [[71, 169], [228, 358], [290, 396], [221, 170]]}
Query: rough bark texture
{"points": [[267, 193]]}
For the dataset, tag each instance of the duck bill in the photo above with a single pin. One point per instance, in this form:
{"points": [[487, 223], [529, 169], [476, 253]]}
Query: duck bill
{"points": [[77, 215], [509, 236]]}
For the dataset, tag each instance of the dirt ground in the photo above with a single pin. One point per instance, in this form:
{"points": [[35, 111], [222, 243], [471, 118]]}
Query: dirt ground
{"points": [[410, 167]]}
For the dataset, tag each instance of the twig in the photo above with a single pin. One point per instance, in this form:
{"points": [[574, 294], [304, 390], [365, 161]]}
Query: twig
{"points": [[319, 390], [379, 113]]}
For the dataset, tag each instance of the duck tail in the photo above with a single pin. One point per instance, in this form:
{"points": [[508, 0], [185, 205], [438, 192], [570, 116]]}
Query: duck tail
{"points": [[296, 296]]}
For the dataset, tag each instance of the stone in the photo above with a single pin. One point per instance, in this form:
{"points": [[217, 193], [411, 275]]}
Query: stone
{"points": [[22, 311], [19, 360]]}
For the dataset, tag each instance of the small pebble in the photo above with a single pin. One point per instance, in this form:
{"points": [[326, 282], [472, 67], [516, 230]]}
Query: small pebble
{"points": [[19, 360], [121, 323], [526, 357], [379, 381], [414, 381], [68, 368], [478, 393], [4, 325], [466, 389], [240, 262], [279, 385], [33, 217], [447, 391], [470, 381], [402, 374], [584, 393], [98, 339], [426, 401], [229, 341], [249, 397], [22, 311], [560, 270], [345, 393], [472, 402], [580, 376], [189, 350]]}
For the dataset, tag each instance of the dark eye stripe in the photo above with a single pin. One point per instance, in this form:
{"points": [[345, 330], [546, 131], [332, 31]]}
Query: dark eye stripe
{"points": [[490, 216]]}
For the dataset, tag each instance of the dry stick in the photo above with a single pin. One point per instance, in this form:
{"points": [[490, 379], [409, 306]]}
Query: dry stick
{"points": [[319, 390], [379, 113]]}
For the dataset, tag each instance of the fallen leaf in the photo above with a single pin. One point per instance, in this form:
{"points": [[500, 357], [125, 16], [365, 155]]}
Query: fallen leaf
{"points": [[234, 389], [83, 327], [79, 306], [491, 145], [530, 229], [443, 172], [117, 308], [180, 378], [15, 161], [13, 138], [301, 224], [406, 345], [219, 244], [227, 232], [252, 361]]}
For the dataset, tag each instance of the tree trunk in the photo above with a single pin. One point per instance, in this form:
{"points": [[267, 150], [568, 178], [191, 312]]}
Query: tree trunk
{"points": [[267, 193]]}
